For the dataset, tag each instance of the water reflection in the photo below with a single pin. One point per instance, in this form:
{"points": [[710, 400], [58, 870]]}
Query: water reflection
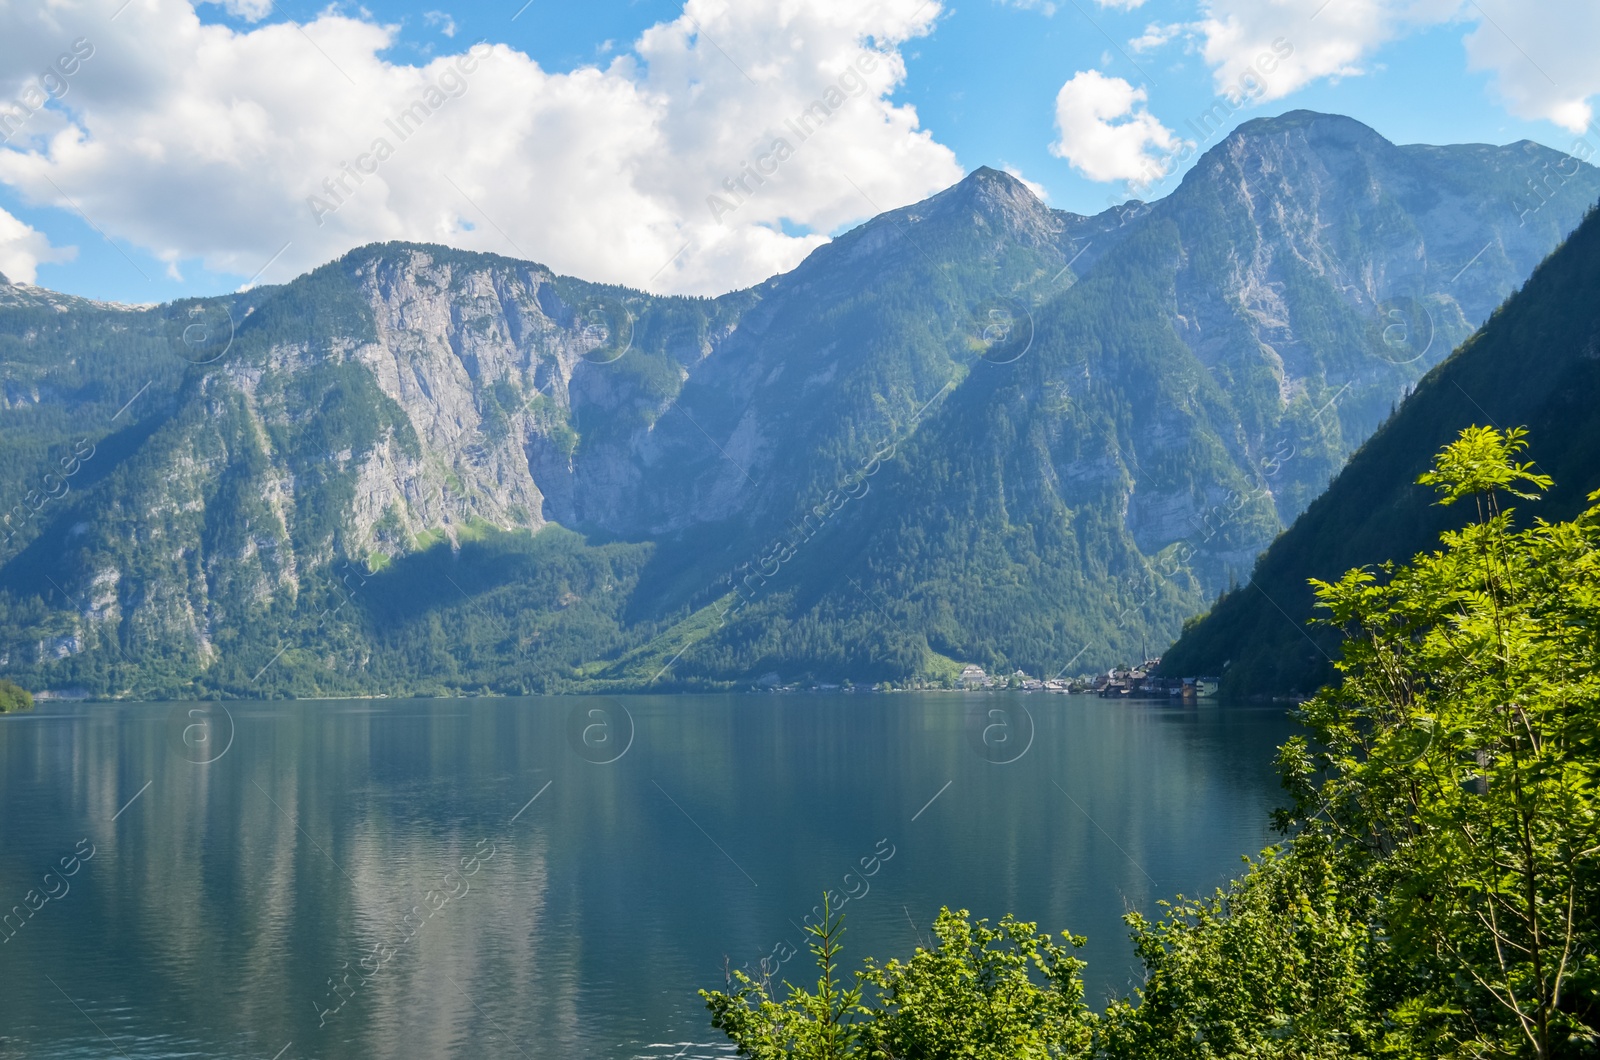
{"points": [[437, 878]]}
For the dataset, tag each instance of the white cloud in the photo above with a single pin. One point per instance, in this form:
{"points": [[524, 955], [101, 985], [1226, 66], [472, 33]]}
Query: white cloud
{"points": [[1155, 35], [1105, 130], [24, 249], [249, 10], [1236, 34], [1542, 57], [198, 141], [442, 19], [1540, 54]]}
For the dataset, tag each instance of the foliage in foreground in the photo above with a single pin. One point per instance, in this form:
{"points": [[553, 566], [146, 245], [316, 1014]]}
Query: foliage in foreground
{"points": [[1004, 991], [1439, 895], [1461, 752]]}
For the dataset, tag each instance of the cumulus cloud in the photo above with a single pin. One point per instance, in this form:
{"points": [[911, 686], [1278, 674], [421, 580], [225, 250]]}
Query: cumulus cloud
{"points": [[1105, 131], [1235, 33], [23, 249], [1542, 58], [249, 10], [200, 141], [1538, 53]]}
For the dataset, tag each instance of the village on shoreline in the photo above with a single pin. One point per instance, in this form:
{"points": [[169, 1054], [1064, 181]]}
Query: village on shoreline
{"points": [[1140, 682]]}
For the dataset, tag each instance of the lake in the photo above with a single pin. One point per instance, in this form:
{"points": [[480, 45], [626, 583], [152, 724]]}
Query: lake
{"points": [[557, 877]]}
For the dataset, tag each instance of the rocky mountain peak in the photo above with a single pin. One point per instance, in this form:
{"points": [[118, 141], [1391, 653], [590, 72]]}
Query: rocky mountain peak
{"points": [[1308, 126], [989, 196], [994, 206], [1289, 150], [986, 184]]}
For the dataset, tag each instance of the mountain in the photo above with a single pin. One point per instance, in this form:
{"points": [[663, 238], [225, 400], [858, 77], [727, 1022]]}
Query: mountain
{"points": [[1536, 364], [973, 429], [1204, 379]]}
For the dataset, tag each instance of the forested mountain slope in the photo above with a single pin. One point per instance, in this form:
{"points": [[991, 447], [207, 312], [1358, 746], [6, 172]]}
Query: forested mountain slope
{"points": [[972, 429], [1535, 364]]}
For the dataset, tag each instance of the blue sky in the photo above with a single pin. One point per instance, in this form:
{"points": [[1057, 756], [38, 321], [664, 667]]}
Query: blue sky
{"points": [[983, 78]]}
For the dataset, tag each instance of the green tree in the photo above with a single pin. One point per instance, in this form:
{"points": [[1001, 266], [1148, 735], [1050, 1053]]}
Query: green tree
{"points": [[1459, 754], [1001, 993], [824, 1025], [1006, 992], [1274, 966]]}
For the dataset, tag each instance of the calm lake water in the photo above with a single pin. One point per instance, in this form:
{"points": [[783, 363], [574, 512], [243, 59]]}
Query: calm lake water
{"points": [[360, 879]]}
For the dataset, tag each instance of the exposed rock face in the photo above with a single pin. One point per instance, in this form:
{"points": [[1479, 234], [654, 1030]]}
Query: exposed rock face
{"points": [[445, 335], [1532, 365], [1349, 267], [1129, 375]]}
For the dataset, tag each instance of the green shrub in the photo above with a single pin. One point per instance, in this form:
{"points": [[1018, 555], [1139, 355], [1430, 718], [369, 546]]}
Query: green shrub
{"points": [[1002, 993], [14, 697]]}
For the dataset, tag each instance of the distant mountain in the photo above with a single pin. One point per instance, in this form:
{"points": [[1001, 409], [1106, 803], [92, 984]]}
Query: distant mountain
{"points": [[1201, 383], [973, 429], [1536, 364]]}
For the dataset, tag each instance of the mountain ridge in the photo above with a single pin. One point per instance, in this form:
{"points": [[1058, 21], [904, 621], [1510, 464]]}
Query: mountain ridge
{"points": [[1013, 418], [1374, 511]]}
